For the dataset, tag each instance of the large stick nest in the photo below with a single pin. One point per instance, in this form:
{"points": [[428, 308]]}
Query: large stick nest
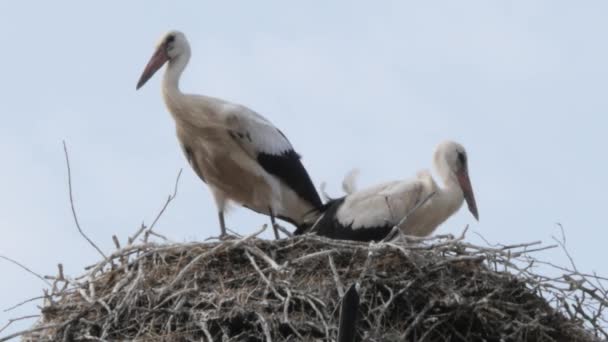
{"points": [[437, 289]]}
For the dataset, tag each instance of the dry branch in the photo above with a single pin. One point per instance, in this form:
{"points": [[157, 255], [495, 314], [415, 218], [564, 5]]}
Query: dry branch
{"points": [[67, 162], [25, 268]]}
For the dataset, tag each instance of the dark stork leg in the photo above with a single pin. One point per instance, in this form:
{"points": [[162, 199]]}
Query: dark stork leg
{"points": [[222, 224], [274, 224]]}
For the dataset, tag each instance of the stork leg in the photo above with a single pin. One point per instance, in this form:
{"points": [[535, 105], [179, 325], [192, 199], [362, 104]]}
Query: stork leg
{"points": [[274, 224], [224, 234], [222, 224]]}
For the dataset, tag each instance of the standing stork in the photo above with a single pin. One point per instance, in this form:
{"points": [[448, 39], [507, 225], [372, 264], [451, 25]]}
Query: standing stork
{"points": [[239, 154], [370, 214]]}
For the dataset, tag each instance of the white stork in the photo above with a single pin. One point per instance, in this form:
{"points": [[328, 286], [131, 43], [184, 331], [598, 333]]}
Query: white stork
{"points": [[239, 154], [370, 214]]}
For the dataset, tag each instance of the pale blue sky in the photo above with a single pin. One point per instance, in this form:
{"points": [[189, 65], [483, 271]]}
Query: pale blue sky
{"points": [[375, 85]]}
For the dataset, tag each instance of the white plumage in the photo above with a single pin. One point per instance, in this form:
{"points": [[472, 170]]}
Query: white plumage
{"points": [[369, 214], [349, 183], [237, 152]]}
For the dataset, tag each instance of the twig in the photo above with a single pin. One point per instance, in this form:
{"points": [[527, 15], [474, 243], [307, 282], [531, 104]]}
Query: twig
{"points": [[259, 253], [339, 285], [169, 199], [160, 213], [67, 162], [312, 256], [31, 330], [562, 243], [23, 302], [264, 278], [205, 329], [416, 320], [396, 230], [116, 242], [265, 327], [27, 269], [12, 320], [153, 233]]}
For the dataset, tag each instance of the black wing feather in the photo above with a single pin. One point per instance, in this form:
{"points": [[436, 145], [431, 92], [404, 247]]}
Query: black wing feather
{"points": [[285, 165], [289, 169]]}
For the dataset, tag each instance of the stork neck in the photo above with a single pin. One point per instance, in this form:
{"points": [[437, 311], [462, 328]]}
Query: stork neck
{"points": [[450, 196], [174, 71]]}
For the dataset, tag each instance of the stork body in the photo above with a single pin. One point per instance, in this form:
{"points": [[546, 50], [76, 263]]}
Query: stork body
{"points": [[239, 154], [370, 214]]}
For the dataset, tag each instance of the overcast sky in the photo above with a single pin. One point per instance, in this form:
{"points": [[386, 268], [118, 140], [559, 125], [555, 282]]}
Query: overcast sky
{"points": [[374, 85]]}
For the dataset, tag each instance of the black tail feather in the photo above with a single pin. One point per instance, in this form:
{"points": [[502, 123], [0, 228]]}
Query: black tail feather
{"points": [[315, 215], [349, 310]]}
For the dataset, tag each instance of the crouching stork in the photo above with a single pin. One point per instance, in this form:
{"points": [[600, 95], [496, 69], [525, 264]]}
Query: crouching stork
{"points": [[370, 214]]}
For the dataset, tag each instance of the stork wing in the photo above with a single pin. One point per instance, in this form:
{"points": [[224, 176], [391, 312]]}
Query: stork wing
{"points": [[370, 214], [192, 161], [266, 144], [382, 205]]}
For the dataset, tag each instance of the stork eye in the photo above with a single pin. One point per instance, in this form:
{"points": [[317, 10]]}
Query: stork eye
{"points": [[170, 39], [462, 158]]}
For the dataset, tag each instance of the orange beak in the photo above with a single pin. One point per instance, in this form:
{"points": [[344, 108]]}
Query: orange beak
{"points": [[156, 62], [467, 190]]}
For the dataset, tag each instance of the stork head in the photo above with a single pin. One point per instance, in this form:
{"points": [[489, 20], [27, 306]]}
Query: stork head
{"points": [[171, 46], [452, 163]]}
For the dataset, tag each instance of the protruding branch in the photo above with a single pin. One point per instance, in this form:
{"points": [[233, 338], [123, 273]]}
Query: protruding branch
{"points": [[67, 162]]}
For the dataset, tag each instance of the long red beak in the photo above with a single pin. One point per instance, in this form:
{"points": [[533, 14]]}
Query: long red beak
{"points": [[158, 60], [467, 190]]}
